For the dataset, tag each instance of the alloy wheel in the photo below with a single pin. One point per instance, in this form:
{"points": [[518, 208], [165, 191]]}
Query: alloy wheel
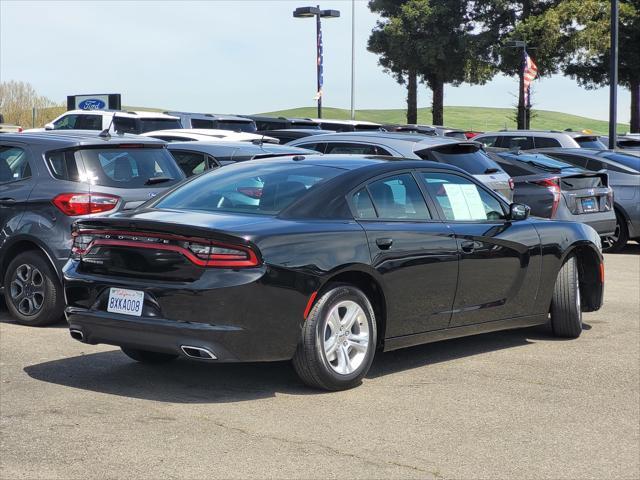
{"points": [[346, 337], [27, 289]]}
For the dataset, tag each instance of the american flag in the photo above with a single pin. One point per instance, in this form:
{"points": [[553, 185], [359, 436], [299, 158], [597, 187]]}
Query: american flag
{"points": [[319, 61], [530, 73]]}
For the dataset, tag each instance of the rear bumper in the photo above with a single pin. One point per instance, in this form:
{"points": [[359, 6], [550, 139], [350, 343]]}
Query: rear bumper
{"points": [[240, 316], [602, 222]]}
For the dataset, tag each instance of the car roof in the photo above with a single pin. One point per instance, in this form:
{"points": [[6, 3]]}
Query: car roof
{"points": [[345, 122], [212, 116], [123, 113], [425, 140], [355, 162], [543, 133], [63, 138], [209, 147]]}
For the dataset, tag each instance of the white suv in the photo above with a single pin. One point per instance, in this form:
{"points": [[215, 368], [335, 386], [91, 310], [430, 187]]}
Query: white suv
{"points": [[530, 139], [126, 122]]}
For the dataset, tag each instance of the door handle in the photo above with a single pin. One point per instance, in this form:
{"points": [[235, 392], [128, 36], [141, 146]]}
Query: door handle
{"points": [[384, 243], [468, 247], [7, 202]]}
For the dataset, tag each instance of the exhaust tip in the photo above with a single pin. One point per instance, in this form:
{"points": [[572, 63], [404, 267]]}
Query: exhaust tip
{"points": [[76, 334], [198, 352]]}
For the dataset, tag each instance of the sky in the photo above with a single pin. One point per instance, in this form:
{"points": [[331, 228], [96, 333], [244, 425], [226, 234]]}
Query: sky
{"points": [[235, 56]]}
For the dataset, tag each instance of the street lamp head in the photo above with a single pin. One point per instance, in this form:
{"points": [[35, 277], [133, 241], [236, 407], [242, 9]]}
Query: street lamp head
{"points": [[306, 12], [330, 13]]}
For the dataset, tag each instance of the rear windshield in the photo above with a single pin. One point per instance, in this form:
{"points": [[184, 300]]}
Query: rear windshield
{"points": [[467, 157], [152, 124], [630, 161], [251, 187], [117, 167], [456, 134], [590, 142]]}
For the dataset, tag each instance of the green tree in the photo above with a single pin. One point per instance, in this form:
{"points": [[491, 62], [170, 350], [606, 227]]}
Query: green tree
{"points": [[436, 38], [590, 42]]}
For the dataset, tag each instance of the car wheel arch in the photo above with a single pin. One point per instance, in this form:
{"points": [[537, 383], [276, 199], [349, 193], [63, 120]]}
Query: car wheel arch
{"points": [[372, 287], [20, 245], [589, 260]]}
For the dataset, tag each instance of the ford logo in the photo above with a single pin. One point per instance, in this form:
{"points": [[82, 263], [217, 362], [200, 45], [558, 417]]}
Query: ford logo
{"points": [[152, 194], [92, 104]]}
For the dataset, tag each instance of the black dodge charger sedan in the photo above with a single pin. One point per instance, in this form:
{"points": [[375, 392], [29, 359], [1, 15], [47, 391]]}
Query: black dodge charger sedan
{"points": [[324, 260]]}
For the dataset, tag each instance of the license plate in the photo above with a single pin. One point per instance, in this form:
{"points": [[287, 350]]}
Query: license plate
{"points": [[589, 205], [128, 302]]}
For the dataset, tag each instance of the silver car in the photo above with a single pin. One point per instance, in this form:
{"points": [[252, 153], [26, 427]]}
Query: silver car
{"points": [[467, 155], [530, 139], [624, 177]]}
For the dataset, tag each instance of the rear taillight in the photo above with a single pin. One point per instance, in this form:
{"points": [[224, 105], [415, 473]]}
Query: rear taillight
{"points": [[512, 184], [74, 204], [553, 185], [201, 252]]}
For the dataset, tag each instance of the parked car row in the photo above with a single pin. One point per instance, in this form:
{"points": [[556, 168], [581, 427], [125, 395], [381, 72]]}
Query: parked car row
{"points": [[320, 251]]}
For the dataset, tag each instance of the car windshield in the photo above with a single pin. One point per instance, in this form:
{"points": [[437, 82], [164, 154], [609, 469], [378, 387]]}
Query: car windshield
{"points": [[590, 142], [467, 157], [261, 188], [630, 161], [128, 167], [153, 124]]}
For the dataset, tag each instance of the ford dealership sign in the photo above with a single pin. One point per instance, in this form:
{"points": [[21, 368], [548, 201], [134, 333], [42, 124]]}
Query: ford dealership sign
{"points": [[94, 101], [92, 104]]}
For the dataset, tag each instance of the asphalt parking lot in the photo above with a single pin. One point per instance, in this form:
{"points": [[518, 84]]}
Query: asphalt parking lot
{"points": [[516, 404]]}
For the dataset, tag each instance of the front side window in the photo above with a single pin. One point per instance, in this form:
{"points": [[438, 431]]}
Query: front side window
{"points": [[13, 164], [461, 199], [488, 141], [68, 122], [262, 188], [191, 163], [398, 198], [153, 124], [199, 123]]}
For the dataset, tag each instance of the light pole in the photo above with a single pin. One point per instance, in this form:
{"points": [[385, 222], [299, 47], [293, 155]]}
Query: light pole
{"points": [[310, 12], [613, 76], [353, 58]]}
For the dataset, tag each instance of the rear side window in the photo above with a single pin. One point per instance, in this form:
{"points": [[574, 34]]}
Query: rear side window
{"points": [[129, 167], [626, 160], [64, 165], [363, 205], [14, 164], [260, 188], [521, 142], [467, 157], [199, 123], [318, 147], [397, 198], [544, 142], [125, 124], [152, 124], [460, 199], [236, 126]]}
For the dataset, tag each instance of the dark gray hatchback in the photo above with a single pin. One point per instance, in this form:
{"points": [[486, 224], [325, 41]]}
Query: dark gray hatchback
{"points": [[47, 181]]}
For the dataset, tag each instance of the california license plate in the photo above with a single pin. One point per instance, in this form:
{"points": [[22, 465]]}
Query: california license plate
{"points": [[128, 302], [589, 205]]}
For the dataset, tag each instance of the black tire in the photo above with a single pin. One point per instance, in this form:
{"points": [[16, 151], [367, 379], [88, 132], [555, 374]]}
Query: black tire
{"points": [[616, 242], [145, 356], [32, 290], [311, 362], [566, 313]]}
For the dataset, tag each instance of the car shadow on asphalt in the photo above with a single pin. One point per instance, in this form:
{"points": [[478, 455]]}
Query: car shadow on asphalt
{"points": [[187, 381]]}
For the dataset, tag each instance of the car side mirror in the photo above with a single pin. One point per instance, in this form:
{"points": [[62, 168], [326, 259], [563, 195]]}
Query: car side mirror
{"points": [[518, 211], [48, 126]]}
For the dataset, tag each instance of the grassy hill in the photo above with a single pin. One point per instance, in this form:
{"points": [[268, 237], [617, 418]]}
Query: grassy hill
{"points": [[468, 118]]}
